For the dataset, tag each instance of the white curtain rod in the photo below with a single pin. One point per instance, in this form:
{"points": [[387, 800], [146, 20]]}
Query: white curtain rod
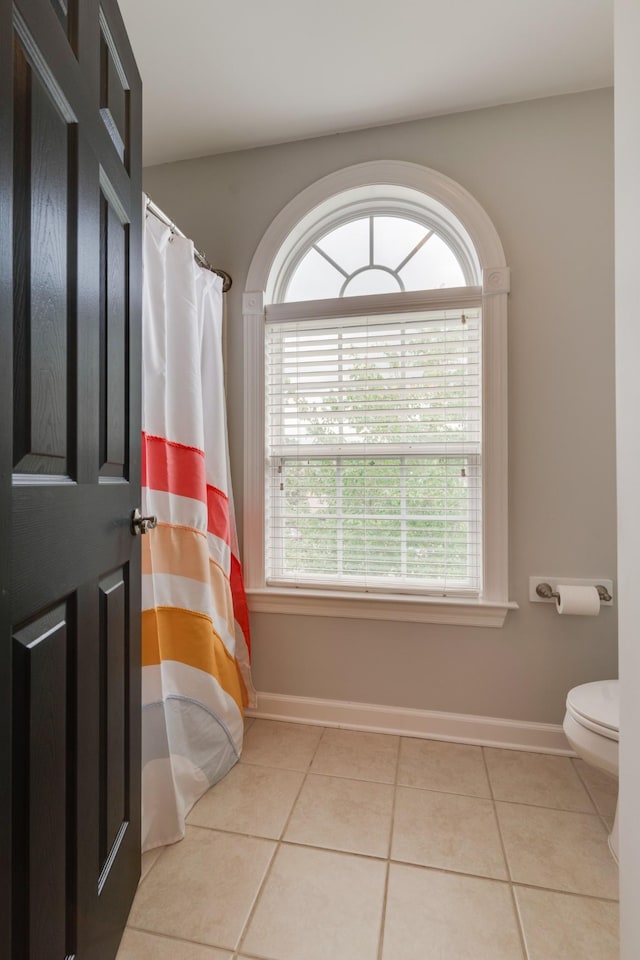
{"points": [[199, 257]]}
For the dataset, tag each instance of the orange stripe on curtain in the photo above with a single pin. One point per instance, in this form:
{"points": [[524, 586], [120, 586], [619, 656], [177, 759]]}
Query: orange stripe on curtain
{"points": [[170, 633], [179, 550], [175, 468], [184, 552], [222, 599]]}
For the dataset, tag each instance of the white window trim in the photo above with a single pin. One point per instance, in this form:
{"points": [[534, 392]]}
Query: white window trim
{"points": [[285, 234]]}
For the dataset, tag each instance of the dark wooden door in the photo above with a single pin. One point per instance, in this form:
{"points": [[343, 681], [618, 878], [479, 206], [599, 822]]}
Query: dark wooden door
{"points": [[70, 283]]}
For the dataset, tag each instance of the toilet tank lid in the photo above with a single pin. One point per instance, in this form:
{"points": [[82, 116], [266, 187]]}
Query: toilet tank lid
{"points": [[598, 702]]}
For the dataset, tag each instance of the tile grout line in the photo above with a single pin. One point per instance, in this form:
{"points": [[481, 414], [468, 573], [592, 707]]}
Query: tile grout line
{"points": [[564, 893], [163, 850], [514, 901], [607, 826], [306, 772], [383, 911], [395, 796], [250, 956], [175, 939], [254, 904], [583, 783], [538, 806], [515, 803], [279, 843], [520, 920], [383, 915], [586, 787]]}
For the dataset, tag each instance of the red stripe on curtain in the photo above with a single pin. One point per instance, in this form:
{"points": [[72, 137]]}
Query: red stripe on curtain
{"points": [[240, 608], [175, 468], [218, 514]]}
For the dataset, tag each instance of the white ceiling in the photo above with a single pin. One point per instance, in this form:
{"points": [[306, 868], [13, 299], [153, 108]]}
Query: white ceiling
{"points": [[223, 75]]}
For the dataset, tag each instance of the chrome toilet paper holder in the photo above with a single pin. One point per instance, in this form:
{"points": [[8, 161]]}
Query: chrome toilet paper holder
{"points": [[546, 591]]}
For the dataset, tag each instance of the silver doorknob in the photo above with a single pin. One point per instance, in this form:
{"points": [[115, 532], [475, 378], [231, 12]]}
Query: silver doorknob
{"points": [[140, 524]]}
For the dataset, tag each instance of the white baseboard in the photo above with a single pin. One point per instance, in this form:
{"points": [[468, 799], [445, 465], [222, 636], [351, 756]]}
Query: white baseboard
{"points": [[432, 725]]}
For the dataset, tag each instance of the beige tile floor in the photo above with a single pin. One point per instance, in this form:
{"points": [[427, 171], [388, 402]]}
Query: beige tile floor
{"points": [[328, 844]]}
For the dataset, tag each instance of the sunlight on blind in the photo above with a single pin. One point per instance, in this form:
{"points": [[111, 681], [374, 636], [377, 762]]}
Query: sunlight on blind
{"points": [[374, 452]]}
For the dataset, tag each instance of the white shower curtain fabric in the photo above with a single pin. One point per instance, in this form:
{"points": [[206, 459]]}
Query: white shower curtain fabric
{"points": [[195, 633]]}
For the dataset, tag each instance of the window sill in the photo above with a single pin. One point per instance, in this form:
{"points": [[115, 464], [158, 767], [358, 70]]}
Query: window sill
{"points": [[367, 606]]}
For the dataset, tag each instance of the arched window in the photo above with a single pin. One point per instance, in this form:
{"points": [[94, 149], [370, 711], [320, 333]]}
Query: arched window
{"points": [[375, 455], [375, 253]]}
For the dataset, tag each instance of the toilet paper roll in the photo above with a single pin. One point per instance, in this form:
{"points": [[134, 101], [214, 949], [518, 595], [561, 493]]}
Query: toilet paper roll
{"points": [[580, 600]]}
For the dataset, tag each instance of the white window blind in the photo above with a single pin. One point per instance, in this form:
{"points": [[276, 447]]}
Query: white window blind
{"points": [[374, 452]]}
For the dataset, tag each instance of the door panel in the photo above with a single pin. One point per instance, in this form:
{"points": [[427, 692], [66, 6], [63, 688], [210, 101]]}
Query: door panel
{"points": [[43, 150], [114, 246], [114, 644], [43, 784], [6, 465], [67, 13], [114, 92], [70, 280]]}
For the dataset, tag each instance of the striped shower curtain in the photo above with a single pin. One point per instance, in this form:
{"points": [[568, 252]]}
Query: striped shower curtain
{"points": [[195, 633]]}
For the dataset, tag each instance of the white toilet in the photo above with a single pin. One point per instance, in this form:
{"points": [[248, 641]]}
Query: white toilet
{"points": [[591, 725]]}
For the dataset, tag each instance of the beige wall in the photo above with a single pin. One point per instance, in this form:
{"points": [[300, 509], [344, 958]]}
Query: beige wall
{"points": [[543, 171], [627, 78]]}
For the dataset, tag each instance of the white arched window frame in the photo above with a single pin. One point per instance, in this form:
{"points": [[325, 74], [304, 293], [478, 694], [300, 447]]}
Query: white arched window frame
{"points": [[392, 188]]}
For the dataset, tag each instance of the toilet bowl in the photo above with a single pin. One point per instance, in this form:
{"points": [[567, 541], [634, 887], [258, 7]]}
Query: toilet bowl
{"points": [[591, 725]]}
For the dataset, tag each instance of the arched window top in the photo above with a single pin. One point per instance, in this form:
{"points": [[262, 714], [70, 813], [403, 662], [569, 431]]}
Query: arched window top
{"points": [[380, 188], [375, 253], [378, 238]]}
